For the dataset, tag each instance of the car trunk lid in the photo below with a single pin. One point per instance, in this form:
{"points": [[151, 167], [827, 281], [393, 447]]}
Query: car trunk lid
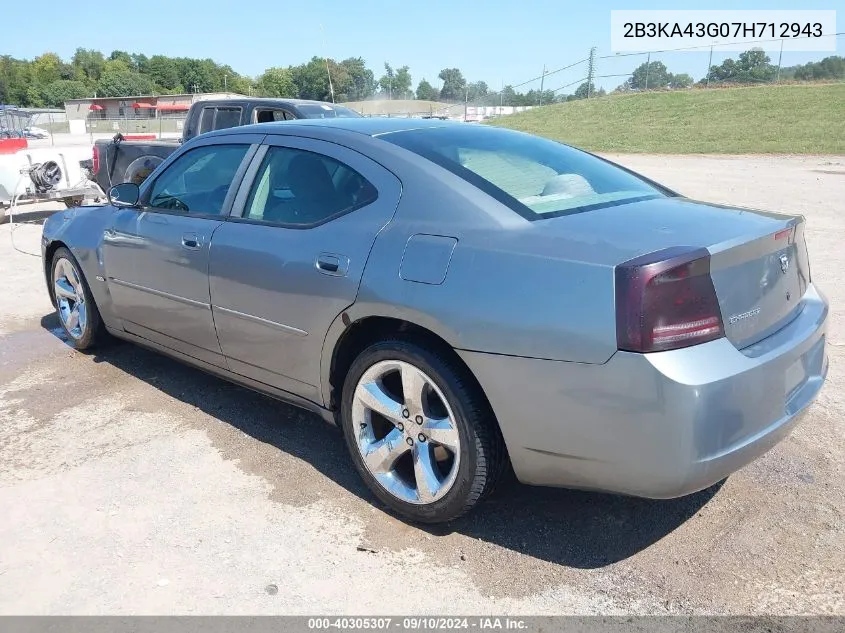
{"points": [[760, 282], [759, 263]]}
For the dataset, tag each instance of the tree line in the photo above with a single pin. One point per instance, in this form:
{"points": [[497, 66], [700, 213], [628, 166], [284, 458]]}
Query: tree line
{"points": [[752, 66], [49, 81]]}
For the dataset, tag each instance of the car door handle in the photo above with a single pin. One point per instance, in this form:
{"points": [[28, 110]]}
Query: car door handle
{"points": [[191, 241], [331, 264]]}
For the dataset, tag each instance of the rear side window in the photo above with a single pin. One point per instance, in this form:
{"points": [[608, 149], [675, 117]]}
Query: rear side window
{"points": [[271, 116], [207, 120], [227, 117], [219, 118], [298, 188], [535, 177]]}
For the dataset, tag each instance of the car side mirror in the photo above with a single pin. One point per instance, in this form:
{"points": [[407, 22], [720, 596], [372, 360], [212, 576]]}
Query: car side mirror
{"points": [[124, 195]]}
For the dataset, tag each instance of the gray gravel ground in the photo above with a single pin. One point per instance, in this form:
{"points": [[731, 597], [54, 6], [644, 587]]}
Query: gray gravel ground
{"points": [[132, 484]]}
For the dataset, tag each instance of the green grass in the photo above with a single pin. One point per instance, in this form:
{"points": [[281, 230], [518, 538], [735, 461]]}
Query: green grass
{"points": [[808, 119]]}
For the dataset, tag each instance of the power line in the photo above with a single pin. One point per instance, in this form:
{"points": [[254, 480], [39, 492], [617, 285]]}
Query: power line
{"points": [[552, 72], [690, 48]]}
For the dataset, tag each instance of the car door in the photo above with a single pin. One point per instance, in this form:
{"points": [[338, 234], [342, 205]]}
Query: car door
{"points": [[156, 256], [290, 258]]}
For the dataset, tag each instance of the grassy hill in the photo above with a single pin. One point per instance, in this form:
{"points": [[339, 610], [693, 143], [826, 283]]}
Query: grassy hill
{"points": [[794, 119]]}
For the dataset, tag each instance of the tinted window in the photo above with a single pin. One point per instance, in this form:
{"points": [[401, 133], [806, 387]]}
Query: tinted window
{"points": [[534, 176], [295, 187], [198, 181], [207, 120], [227, 117], [270, 116]]}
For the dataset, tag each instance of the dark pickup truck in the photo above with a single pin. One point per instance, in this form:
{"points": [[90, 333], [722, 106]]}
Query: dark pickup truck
{"points": [[121, 160]]}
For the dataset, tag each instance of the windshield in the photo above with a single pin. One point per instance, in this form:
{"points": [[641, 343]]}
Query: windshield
{"points": [[536, 177], [326, 111]]}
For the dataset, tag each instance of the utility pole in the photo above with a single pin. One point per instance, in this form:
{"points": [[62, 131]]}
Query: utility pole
{"points": [[709, 66], [466, 102], [542, 82], [780, 58], [647, 65], [591, 70], [225, 82], [326, 57]]}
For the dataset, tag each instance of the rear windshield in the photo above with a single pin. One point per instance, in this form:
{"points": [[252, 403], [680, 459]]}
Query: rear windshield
{"points": [[326, 111], [536, 177]]}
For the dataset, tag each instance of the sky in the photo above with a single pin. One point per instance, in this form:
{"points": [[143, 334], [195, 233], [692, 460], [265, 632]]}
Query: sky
{"points": [[498, 41]]}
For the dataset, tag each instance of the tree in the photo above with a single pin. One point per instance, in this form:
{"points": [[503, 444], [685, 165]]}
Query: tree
{"points": [[164, 72], [362, 84], [585, 90], [509, 96], [386, 80], [121, 56], [427, 92], [832, 67], [46, 68], [312, 79], [650, 75], [90, 62], [753, 66], [402, 83], [56, 93], [124, 84], [476, 90], [682, 80], [454, 85], [276, 82]]}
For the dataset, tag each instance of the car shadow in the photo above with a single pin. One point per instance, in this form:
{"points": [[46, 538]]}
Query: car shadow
{"points": [[568, 527]]}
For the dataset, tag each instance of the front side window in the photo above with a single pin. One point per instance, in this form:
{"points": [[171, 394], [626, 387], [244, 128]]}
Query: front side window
{"points": [[534, 176], [295, 187], [197, 182]]}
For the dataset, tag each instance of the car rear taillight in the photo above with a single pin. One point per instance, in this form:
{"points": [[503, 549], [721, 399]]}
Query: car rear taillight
{"points": [[96, 160], [666, 300]]}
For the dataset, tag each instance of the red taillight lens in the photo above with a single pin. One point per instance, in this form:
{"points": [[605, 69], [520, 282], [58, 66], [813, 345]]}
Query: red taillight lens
{"points": [[666, 300], [96, 160]]}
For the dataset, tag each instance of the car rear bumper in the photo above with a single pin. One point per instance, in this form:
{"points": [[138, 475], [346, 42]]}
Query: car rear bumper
{"points": [[656, 425]]}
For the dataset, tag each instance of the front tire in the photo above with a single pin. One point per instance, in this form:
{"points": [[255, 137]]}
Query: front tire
{"points": [[419, 431], [74, 303]]}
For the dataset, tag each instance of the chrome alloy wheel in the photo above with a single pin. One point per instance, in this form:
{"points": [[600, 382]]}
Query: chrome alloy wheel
{"points": [[406, 432], [70, 298]]}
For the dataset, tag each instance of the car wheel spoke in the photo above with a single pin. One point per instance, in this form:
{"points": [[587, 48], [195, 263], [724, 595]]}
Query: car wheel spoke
{"points": [[413, 384], [383, 453], [63, 289], [428, 484], [375, 398], [440, 431], [73, 318]]}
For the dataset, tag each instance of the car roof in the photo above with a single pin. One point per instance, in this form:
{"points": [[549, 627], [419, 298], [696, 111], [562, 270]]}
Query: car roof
{"points": [[369, 126], [268, 101]]}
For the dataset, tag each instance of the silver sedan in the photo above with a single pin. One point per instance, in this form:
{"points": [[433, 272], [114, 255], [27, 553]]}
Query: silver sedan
{"points": [[462, 300]]}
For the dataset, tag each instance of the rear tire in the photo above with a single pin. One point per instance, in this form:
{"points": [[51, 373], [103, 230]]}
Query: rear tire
{"points": [[428, 471], [74, 302]]}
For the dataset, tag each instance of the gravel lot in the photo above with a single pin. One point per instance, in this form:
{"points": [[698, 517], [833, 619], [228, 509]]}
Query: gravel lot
{"points": [[132, 484]]}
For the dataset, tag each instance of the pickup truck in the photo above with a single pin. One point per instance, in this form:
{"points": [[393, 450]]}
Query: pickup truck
{"points": [[120, 160]]}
